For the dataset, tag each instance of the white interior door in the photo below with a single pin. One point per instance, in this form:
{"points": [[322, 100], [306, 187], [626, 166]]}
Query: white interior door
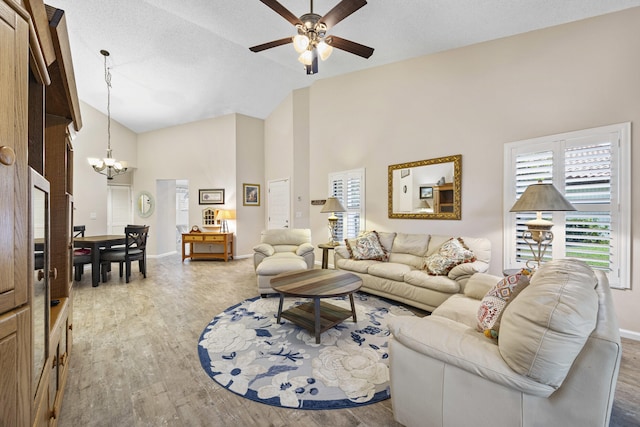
{"points": [[279, 203], [119, 208]]}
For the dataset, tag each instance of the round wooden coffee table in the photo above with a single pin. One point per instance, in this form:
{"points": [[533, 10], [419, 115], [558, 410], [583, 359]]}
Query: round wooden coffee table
{"points": [[316, 316]]}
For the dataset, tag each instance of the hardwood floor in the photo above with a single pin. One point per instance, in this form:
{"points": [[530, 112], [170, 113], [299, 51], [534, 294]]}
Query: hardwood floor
{"points": [[134, 360]]}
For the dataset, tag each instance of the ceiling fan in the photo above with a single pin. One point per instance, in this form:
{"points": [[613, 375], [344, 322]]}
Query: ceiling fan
{"points": [[312, 39]]}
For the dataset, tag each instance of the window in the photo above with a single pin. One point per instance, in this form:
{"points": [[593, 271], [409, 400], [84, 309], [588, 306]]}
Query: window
{"points": [[348, 187], [592, 169]]}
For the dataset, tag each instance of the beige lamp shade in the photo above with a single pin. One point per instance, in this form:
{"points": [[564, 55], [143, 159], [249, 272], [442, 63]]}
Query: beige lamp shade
{"points": [[541, 198], [332, 205], [226, 214]]}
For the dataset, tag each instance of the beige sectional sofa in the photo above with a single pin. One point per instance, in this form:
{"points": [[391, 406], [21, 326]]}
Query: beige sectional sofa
{"points": [[402, 278], [555, 361]]}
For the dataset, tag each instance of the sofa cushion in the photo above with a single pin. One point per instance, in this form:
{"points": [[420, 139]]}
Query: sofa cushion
{"points": [[367, 247], [361, 266], [497, 299], [452, 252], [438, 283], [412, 244], [389, 270], [546, 326], [386, 239]]}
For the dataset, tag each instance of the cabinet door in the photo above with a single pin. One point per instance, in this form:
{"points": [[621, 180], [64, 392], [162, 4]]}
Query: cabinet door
{"points": [[14, 368], [13, 158]]}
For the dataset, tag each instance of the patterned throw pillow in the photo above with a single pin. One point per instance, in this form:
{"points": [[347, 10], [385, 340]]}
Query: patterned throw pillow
{"points": [[366, 246], [452, 252], [497, 299]]}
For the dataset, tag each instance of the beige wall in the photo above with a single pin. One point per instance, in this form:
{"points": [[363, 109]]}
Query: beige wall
{"points": [[471, 101], [90, 188], [249, 170]]}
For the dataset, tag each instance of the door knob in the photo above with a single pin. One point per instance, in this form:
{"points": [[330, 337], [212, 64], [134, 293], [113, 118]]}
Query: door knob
{"points": [[7, 155]]}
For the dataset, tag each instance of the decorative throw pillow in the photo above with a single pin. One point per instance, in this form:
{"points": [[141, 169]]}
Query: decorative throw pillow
{"points": [[366, 246], [497, 299], [452, 252]]}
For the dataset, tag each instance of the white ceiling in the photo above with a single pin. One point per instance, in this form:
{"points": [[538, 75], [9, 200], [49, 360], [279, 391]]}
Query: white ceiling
{"points": [[178, 61]]}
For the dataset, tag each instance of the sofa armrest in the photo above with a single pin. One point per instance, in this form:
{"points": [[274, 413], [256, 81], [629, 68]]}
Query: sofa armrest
{"points": [[265, 249], [462, 272], [304, 249], [458, 345]]}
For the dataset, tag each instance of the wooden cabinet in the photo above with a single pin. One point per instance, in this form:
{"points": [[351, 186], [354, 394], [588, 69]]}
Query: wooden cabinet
{"points": [[35, 341], [443, 198], [225, 240], [15, 314]]}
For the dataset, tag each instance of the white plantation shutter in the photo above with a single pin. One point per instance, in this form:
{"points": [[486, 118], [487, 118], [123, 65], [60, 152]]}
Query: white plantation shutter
{"points": [[348, 187], [592, 169]]}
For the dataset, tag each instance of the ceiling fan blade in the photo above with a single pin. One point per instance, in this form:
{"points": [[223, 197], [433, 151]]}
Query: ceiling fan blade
{"points": [[349, 46], [269, 45], [282, 11], [341, 11]]}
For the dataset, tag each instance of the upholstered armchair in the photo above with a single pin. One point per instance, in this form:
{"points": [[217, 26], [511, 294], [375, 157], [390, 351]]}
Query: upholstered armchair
{"points": [[279, 251]]}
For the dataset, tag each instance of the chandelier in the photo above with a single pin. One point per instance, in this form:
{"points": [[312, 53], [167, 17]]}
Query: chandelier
{"points": [[108, 166]]}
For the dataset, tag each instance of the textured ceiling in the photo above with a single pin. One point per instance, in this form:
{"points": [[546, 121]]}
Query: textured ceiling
{"points": [[178, 61]]}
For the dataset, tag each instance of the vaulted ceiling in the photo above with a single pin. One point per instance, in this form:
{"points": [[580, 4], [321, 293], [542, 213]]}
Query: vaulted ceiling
{"points": [[178, 61]]}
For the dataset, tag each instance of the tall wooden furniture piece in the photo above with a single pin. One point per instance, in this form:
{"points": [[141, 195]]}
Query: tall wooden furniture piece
{"points": [[38, 102], [443, 198], [223, 239]]}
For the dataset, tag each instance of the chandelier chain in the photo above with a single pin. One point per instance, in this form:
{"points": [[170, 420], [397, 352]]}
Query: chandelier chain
{"points": [[107, 79]]}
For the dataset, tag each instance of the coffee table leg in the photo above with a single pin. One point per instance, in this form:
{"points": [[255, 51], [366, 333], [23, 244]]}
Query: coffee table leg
{"points": [[316, 309], [353, 307], [280, 308]]}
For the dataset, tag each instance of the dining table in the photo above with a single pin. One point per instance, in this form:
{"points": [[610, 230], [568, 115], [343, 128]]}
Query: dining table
{"points": [[95, 243]]}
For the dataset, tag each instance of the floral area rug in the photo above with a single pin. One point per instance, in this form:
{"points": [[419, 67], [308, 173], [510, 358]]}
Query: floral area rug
{"points": [[247, 352]]}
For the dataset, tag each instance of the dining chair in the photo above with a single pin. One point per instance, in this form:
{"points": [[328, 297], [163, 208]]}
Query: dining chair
{"points": [[135, 249], [81, 256]]}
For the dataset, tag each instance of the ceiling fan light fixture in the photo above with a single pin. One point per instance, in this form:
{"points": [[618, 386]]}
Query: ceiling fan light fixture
{"points": [[300, 43], [324, 50], [306, 57]]}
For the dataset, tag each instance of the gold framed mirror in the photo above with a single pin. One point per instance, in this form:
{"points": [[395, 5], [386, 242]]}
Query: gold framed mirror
{"points": [[426, 189]]}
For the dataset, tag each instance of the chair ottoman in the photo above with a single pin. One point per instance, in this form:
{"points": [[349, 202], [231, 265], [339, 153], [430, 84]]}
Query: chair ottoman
{"points": [[275, 265]]}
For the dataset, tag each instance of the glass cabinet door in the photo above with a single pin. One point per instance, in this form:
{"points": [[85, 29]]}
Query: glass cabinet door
{"points": [[40, 289]]}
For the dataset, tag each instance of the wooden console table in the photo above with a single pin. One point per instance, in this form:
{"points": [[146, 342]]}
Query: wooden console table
{"points": [[224, 239]]}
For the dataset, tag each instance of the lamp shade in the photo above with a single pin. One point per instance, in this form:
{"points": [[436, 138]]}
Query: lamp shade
{"points": [[332, 205], [226, 214], [541, 198]]}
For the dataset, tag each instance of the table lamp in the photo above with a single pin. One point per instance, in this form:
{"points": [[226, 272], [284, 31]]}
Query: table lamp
{"points": [[333, 205], [223, 216], [540, 198]]}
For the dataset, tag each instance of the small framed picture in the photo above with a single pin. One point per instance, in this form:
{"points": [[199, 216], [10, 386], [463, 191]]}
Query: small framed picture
{"points": [[426, 192], [405, 172], [251, 194], [212, 196]]}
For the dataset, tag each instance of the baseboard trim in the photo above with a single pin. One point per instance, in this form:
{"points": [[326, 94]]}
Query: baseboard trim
{"points": [[632, 335]]}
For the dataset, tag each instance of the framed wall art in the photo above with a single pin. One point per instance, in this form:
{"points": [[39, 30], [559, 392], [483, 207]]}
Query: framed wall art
{"points": [[212, 196], [426, 192], [251, 194]]}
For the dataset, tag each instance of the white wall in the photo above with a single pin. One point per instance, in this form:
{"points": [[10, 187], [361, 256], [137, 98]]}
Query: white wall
{"points": [[471, 101]]}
